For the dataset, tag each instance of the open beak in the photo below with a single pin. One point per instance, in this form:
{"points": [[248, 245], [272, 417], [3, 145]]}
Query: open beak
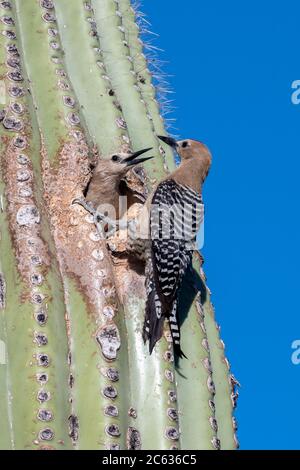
{"points": [[133, 160], [169, 141]]}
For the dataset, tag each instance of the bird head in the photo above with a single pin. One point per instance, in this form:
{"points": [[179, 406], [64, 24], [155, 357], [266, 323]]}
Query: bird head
{"points": [[190, 150], [120, 163]]}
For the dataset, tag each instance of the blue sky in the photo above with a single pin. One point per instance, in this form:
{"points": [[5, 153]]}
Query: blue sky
{"points": [[233, 64]]}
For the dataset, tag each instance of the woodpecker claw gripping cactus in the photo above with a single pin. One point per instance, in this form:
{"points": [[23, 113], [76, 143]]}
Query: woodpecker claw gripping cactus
{"points": [[74, 372]]}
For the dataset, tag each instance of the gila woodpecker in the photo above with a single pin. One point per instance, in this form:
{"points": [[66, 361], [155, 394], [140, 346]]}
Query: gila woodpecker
{"points": [[103, 197], [164, 232], [176, 213]]}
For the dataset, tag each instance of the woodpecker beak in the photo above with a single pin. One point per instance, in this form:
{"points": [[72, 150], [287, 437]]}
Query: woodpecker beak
{"points": [[133, 160], [169, 141]]}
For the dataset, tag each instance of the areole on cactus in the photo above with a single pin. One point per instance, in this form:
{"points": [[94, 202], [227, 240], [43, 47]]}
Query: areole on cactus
{"points": [[74, 371]]}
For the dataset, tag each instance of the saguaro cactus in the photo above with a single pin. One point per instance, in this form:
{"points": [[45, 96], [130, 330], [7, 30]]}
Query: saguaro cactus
{"points": [[74, 372]]}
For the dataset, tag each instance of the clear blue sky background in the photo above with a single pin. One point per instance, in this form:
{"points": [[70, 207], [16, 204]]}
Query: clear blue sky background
{"points": [[233, 64]]}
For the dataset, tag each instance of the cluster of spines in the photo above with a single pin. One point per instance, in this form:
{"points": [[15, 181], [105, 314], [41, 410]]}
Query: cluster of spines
{"points": [[160, 86], [141, 60]]}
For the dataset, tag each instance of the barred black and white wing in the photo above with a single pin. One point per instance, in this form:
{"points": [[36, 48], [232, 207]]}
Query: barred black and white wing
{"points": [[176, 214]]}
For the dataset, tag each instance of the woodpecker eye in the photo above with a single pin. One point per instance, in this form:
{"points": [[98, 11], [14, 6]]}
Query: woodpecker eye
{"points": [[184, 144], [115, 158]]}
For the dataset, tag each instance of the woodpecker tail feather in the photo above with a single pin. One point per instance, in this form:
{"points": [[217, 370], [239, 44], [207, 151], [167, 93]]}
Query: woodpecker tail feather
{"points": [[175, 330], [155, 314], [178, 351], [154, 320]]}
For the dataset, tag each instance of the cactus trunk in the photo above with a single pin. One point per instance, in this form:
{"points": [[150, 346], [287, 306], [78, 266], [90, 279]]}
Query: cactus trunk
{"points": [[74, 372]]}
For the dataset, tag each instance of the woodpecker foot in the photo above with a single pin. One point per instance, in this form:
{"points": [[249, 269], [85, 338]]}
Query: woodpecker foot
{"points": [[106, 226], [87, 206], [99, 219]]}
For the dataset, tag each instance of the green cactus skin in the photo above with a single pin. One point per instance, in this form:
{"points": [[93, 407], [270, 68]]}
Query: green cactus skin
{"points": [[91, 395], [90, 92], [149, 391], [6, 437], [36, 379], [225, 383], [143, 79], [97, 99]]}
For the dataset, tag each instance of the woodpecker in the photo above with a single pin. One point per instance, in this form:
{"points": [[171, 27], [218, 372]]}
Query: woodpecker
{"points": [[175, 216], [102, 197], [164, 233]]}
